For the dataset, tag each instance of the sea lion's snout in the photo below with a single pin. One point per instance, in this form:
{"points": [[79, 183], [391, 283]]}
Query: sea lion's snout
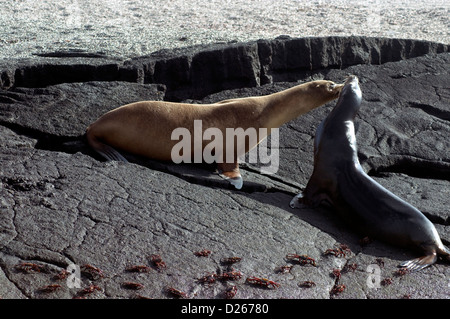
{"points": [[351, 85], [337, 88], [329, 88], [352, 79]]}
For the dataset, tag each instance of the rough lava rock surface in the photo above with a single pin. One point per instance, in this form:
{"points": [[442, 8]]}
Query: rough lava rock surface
{"points": [[61, 205]]}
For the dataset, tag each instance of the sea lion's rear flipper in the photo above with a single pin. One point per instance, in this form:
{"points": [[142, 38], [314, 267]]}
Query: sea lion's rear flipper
{"points": [[106, 151], [111, 154], [230, 172], [419, 263]]}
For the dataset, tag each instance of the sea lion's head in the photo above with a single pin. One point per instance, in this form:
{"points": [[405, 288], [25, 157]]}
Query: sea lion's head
{"points": [[330, 88]]}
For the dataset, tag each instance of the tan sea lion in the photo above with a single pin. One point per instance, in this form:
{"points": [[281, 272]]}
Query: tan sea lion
{"points": [[146, 128], [339, 179]]}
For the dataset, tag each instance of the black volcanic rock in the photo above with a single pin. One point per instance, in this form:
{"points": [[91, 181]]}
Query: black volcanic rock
{"points": [[76, 104], [60, 205]]}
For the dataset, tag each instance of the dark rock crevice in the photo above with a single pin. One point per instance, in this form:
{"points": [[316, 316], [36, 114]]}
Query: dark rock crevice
{"points": [[412, 166], [431, 110], [73, 53]]}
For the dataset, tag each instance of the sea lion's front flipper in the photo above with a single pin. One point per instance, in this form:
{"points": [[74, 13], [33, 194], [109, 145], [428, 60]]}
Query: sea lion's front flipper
{"points": [[419, 263], [302, 201], [230, 172], [297, 201]]}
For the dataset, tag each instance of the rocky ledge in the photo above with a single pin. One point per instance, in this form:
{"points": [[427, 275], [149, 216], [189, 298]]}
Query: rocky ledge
{"points": [[63, 208]]}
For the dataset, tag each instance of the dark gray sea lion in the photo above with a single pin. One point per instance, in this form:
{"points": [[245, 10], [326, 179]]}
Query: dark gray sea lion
{"points": [[339, 179]]}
